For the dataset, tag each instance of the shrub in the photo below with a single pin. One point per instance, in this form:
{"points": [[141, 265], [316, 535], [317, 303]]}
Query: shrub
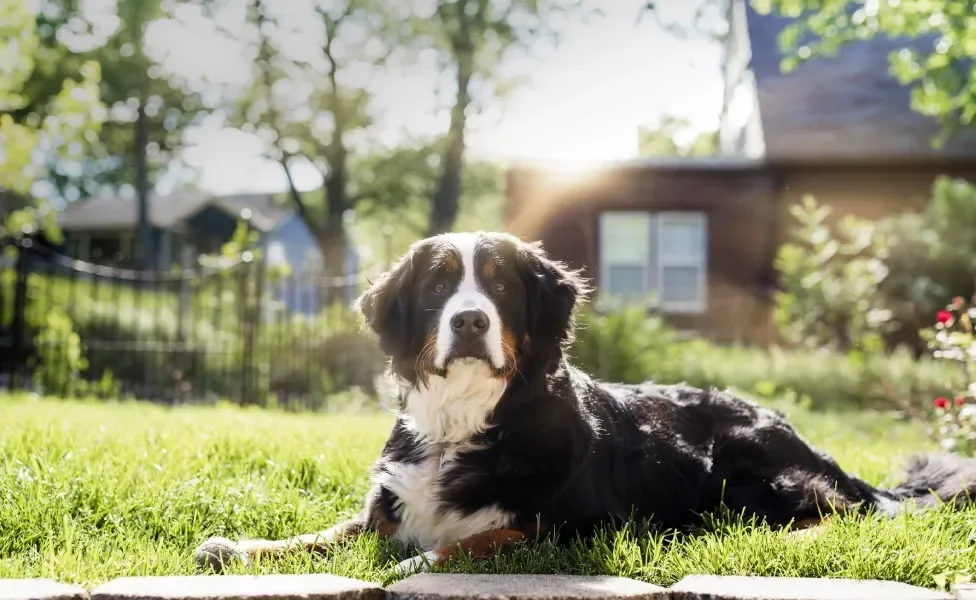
{"points": [[630, 345], [862, 282], [59, 358], [953, 341], [829, 282], [623, 344]]}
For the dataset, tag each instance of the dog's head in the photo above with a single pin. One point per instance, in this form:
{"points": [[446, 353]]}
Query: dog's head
{"points": [[466, 298]]}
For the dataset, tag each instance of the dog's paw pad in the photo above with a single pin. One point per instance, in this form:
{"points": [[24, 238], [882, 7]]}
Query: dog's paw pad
{"points": [[216, 553]]}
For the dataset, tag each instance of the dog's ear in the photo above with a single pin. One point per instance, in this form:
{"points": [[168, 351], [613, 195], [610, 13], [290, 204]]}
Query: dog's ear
{"points": [[386, 306], [553, 292]]}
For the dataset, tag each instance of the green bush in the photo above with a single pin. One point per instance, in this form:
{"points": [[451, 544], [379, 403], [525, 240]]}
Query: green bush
{"points": [[864, 284], [624, 344], [59, 358], [631, 345]]}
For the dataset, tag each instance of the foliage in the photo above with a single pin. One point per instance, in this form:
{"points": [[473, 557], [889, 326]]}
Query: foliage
{"points": [[931, 253], [675, 137], [953, 339], [829, 283], [624, 344], [71, 34], [852, 285], [939, 69], [72, 114], [473, 38], [630, 344], [60, 358], [395, 187], [91, 492]]}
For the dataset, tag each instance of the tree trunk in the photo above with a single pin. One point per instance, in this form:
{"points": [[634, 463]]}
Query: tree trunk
{"points": [[447, 196], [145, 245], [333, 241]]}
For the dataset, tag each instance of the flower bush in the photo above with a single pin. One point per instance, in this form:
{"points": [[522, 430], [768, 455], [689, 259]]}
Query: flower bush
{"points": [[953, 338]]}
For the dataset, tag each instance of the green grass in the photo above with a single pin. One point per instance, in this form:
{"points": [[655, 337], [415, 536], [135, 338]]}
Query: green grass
{"points": [[90, 492]]}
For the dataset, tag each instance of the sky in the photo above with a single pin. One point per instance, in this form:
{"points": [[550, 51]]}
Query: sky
{"points": [[577, 103]]}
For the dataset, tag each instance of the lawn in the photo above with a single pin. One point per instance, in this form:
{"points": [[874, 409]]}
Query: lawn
{"points": [[91, 491]]}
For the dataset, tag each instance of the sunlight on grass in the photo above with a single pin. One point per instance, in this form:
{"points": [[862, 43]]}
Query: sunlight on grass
{"points": [[92, 491]]}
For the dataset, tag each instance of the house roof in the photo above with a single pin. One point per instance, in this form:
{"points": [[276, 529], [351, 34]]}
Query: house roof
{"points": [[167, 212], [847, 106]]}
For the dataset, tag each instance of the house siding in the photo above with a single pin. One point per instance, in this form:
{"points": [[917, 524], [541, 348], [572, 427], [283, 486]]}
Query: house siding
{"points": [[748, 219]]}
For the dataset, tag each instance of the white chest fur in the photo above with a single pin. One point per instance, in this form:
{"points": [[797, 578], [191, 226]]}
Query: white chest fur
{"points": [[424, 520], [452, 409]]}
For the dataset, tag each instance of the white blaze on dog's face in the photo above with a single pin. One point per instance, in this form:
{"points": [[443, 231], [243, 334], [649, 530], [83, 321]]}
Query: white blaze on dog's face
{"points": [[469, 329], [457, 314]]}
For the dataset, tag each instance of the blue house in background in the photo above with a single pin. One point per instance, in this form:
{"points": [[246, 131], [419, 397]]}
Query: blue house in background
{"points": [[103, 230], [292, 243]]}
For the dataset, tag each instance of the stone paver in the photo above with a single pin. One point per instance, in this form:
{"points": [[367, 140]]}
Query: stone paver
{"points": [[966, 591], [535, 587], [39, 589], [708, 587], [231, 587]]}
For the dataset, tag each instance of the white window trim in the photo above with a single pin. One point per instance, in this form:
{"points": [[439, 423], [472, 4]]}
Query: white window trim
{"points": [[654, 272], [699, 262], [648, 268]]}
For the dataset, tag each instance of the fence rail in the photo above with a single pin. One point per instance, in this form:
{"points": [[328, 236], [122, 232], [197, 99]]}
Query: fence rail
{"points": [[242, 331]]}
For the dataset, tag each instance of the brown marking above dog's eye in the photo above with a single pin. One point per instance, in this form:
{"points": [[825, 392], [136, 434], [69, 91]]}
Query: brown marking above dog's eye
{"points": [[489, 268], [451, 263]]}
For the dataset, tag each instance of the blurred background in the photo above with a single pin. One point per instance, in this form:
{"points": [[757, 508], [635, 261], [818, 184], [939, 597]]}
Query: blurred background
{"points": [[772, 195]]}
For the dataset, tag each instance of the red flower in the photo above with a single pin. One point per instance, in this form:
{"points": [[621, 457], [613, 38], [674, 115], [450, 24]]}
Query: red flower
{"points": [[941, 402], [943, 316], [960, 400]]}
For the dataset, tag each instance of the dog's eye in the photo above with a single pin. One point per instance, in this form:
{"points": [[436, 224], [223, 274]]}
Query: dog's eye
{"points": [[500, 287], [439, 287]]}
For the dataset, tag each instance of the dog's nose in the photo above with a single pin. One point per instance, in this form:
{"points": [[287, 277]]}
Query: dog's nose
{"points": [[470, 323]]}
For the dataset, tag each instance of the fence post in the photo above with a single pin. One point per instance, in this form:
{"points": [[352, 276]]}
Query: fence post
{"points": [[19, 321], [186, 267], [244, 298]]}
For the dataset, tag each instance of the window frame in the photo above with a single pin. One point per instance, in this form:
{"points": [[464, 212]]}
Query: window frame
{"points": [[647, 265], [656, 261], [700, 262]]}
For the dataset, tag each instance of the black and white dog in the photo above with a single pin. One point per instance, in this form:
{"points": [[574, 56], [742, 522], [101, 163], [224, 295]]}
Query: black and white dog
{"points": [[499, 439]]}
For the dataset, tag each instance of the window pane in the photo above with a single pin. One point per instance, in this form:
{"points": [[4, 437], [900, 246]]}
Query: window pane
{"points": [[625, 238], [682, 238], [679, 285], [625, 281]]}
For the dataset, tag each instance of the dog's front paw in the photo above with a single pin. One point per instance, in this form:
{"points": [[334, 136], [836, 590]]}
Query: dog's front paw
{"points": [[216, 553], [418, 564]]}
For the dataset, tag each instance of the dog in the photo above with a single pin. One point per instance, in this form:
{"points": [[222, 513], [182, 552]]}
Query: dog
{"points": [[499, 439]]}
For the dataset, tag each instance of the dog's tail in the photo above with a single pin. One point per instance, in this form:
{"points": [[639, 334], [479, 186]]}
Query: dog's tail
{"points": [[931, 480]]}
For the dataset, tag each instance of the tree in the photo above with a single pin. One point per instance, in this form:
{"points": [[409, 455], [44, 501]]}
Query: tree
{"points": [[690, 19], [395, 187], [675, 136], [70, 116], [147, 113], [943, 79], [474, 37], [304, 110]]}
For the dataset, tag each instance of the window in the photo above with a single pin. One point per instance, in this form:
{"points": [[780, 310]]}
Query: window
{"points": [[663, 255]]}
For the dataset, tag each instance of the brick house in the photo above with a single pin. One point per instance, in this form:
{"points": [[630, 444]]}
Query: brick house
{"points": [[701, 234]]}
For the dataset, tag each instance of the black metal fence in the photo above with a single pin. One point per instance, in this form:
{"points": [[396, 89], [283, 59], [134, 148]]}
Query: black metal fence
{"points": [[241, 331]]}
